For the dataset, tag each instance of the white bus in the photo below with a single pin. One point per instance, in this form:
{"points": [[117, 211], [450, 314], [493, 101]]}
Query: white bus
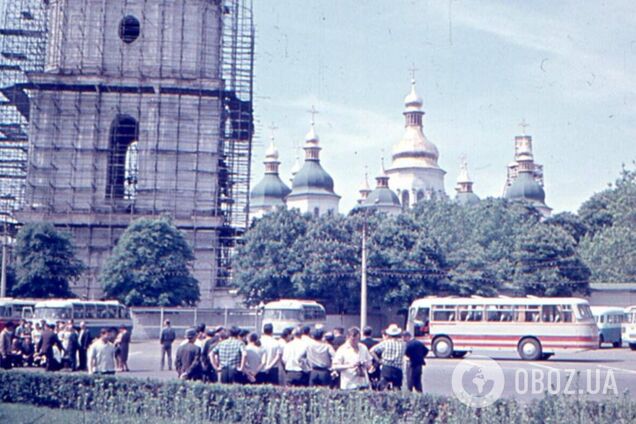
{"points": [[629, 327], [609, 321], [13, 310], [97, 314], [534, 327], [286, 313]]}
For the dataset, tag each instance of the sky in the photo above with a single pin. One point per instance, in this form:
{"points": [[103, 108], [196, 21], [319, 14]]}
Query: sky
{"points": [[567, 68]]}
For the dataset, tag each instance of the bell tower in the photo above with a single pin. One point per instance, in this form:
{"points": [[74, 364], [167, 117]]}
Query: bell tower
{"points": [[132, 117]]}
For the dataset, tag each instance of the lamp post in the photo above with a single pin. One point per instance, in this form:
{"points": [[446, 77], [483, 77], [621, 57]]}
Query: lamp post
{"points": [[363, 280], [3, 275]]}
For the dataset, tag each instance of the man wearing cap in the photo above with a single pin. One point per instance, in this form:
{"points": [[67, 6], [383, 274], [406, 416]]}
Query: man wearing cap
{"points": [[188, 358], [390, 354], [165, 340]]}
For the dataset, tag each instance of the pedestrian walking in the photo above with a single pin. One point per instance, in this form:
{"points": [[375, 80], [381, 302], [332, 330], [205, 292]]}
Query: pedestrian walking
{"points": [[319, 357], [6, 345], [415, 352], [122, 345], [71, 346], [353, 360], [228, 357], [188, 358], [166, 339], [390, 354]]}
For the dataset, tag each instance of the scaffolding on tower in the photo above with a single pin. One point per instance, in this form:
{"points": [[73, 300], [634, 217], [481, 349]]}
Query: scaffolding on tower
{"points": [[23, 34]]}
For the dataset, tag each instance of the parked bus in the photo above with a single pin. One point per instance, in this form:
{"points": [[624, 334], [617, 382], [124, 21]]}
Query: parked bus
{"points": [[629, 327], [609, 321], [97, 314], [15, 309], [534, 327], [287, 313]]}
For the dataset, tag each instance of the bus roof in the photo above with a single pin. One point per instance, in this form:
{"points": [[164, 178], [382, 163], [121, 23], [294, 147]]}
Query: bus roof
{"points": [[64, 303], [501, 300], [291, 304], [4, 301], [599, 310], [630, 308]]}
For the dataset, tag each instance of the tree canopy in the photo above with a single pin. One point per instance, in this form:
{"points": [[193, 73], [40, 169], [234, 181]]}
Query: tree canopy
{"points": [[45, 262], [150, 266]]}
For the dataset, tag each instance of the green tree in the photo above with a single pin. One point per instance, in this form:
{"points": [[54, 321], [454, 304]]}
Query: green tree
{"points": [[331, 255], [150, 266], [403, 263], [571, 223], [547, 264], [267, 259], [45, 262], [610, 249]]}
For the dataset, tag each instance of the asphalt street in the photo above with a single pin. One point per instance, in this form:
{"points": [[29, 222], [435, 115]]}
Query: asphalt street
{"points": [[606, 372]]}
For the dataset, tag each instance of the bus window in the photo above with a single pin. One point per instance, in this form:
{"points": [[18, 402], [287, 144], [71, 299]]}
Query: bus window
{"points": [[420, 318], [444, 313], [78, 311], [101, 311], [110, 312], [502, 313], [282, 314], [471, 313], [90, 312], [5, 311], [566, 313]]}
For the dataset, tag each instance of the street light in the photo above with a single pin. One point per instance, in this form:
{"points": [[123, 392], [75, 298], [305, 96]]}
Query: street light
{"points": [[363, 277]]}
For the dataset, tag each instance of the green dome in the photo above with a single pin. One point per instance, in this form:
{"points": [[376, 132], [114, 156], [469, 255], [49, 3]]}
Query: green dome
{"points": [[525, 187], [270, 191], [312, 178], [467, 198], [382, 197]]}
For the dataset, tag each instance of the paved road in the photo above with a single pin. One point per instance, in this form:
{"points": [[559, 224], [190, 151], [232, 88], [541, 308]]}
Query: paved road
{"points": [[598, 373]]}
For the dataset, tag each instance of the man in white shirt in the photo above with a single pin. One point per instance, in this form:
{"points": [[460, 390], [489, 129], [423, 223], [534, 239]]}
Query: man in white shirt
{"points": [[353, 361], [295, 359], [273, 353], [102, 353]]}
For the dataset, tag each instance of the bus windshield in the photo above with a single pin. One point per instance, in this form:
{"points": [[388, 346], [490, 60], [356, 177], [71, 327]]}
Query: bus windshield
{"points": [[283, 314], [53, 313], [585, 313]]}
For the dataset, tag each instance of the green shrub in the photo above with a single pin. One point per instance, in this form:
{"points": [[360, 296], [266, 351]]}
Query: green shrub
{"points": [[146, 399]]}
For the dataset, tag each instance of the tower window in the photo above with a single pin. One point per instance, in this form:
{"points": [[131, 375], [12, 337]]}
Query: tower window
{"points": [[123, 159], [405, 200], [129, 29]]}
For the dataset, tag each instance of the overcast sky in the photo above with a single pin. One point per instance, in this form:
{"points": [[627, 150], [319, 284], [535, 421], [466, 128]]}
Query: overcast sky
{"points": [[568, 68]]}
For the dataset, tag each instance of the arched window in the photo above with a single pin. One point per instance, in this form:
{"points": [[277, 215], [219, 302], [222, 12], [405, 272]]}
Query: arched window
{"points": [[420, 195], [405, 200], [122, 159]]}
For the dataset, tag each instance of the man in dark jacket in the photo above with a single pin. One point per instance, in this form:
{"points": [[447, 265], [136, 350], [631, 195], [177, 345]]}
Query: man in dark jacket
{"points": [[45, 347], [6, 344], [415, 352], [85, 339], [188, 358], [72, 347], [165, 340]]}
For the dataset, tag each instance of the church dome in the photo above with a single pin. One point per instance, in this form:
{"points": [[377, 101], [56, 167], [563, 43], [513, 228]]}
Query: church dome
{"points": [[467, 198], [525, 187], [382, 197], [412, 101], [270, 191], [312, 177]]}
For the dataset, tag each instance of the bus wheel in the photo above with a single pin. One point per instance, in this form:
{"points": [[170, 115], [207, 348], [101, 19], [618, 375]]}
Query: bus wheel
{"points": [[618, 343], [529, 349], [601, 340], [459, 354], [443, 347]]}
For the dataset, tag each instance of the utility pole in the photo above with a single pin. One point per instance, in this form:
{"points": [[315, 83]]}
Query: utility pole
{"points": [[3, 276], [363, 282]]}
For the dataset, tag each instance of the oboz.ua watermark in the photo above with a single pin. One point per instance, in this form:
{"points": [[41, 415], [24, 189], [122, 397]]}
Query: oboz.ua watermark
{"points": [[479, 381]]}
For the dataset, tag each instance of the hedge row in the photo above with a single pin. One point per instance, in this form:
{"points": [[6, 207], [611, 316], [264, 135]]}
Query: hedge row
{"points": [[123, 398]]}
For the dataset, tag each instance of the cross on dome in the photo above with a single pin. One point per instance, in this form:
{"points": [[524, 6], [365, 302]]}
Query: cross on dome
{"points": [[523, 124]]}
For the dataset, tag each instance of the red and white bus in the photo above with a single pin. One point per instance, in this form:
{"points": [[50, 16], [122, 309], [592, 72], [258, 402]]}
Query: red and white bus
{"points": [[534, 327], [15, 309]]}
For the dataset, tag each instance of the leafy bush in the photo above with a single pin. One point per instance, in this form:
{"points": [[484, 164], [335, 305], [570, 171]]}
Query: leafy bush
{"points": [[123, 398]]}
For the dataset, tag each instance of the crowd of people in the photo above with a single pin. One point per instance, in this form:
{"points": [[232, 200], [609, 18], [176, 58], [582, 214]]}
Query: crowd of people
{"points": [[299, 357], [64, 346]]}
